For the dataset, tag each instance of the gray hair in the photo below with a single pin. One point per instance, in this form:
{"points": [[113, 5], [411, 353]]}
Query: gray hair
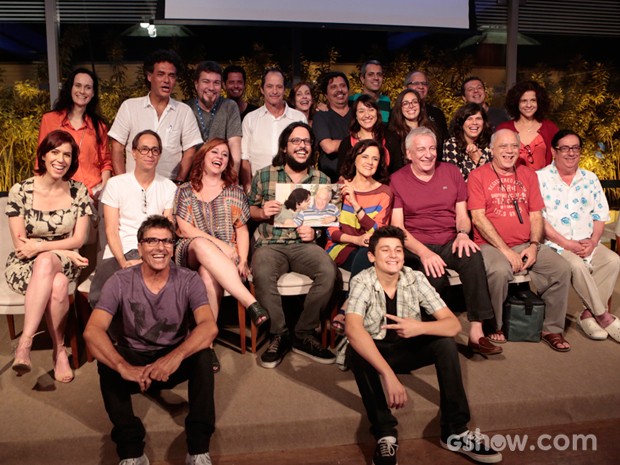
{"points": [[419, 131]]}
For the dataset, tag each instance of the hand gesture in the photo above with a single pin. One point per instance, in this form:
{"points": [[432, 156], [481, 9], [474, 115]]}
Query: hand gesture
{"points": [[404, 327]]}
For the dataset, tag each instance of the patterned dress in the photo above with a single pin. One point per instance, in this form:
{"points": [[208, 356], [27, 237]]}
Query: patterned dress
{"points": [[219, 218], [53, 225]]}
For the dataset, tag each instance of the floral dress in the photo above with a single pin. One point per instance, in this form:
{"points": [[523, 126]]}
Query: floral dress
{"points": [[52, 225], [218, 218]]}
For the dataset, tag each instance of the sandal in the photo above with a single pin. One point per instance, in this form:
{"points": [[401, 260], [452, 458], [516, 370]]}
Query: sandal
{"points": [[257, 313], [60, 355], [338, 322], [554, 340], [22, 364], [493, 337]]}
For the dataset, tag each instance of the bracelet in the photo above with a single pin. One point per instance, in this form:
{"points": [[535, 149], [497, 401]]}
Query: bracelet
{"points": [[360, 209], [462, 231]]}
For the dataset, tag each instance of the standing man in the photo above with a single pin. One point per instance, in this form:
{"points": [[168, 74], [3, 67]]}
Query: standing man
{"points": [[158, 111], [262, 127], [234, 84], [506, 208], [388, 337], [371, 77], [280, 250], [151, 330], [575, 214], [128, 199], [418, 81], [216, 116], [430, 205], [473, 90], [331, 126]]}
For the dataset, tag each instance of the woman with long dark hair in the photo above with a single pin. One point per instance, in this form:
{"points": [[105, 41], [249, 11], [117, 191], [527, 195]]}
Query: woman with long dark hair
{"points": [[77, 112], [48, 220]]}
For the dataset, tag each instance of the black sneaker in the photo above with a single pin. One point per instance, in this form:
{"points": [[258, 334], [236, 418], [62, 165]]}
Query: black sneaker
{"points": [[310, 347], [474, 445], [278, 348], [385, 452]]}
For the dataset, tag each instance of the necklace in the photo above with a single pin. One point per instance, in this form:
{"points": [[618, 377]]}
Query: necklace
{"points": [[513, 200]]}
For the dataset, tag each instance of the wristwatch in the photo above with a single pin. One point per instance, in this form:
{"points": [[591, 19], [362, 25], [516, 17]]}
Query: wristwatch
{"points": [[537, 244]]}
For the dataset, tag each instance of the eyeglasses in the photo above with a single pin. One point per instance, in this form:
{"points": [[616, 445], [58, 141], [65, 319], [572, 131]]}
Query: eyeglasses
{"points": [[155, 241], [144, 204], [565, 149], [144, 151], [417, 83], [299, 141], [409, 103], [530, 154]]}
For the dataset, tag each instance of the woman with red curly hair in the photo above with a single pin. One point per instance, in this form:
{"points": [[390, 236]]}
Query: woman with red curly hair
{"points": [[211, 212]]}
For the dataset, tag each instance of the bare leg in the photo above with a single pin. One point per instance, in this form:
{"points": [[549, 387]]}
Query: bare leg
{"points": [[214, 291], [203, 253], [56, 317]]}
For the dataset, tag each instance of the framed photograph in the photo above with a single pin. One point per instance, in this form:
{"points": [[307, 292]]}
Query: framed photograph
{"points": [[315, 205]]}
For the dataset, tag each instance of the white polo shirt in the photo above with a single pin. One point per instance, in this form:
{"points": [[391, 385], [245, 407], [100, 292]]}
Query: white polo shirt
{"points": [[135, 205], [177, 128], [261, 131]]}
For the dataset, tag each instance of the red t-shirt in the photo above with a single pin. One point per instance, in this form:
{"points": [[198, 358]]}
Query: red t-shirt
{"points": [[429, 206], [486, 192]]}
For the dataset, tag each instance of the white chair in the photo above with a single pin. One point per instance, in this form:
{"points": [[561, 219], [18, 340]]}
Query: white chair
{"points": [[12, 303]]}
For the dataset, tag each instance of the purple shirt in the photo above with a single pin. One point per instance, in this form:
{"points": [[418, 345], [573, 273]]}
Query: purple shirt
{"points": [[146, 321], [429, 206]]}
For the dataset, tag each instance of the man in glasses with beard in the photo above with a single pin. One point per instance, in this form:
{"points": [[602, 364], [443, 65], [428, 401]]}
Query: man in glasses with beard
{"points": [[280, 250]]}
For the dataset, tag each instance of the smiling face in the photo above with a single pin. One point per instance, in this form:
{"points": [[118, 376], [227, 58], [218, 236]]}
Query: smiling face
{"points": [[58, 160], [410, 107], [505, 149], [337, 93], [298, 156], [216, 160], [366, 116], [82, 90], [418, 82], [156, 257], [528, 104], [273, 90], [422, 152], [147, 161], [472, 127], [474, 92], [234, 85], [373, 79], [389, 256], [303, 98], [567, 162], [367, 162], [208, 88], [162, 79]]}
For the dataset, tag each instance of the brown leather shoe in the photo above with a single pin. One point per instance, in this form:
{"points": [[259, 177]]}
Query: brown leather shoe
{"points": [[484, 347]]}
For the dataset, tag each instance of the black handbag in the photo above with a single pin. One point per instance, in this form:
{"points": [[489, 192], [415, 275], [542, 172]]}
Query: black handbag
{"points": [[524, 313]]}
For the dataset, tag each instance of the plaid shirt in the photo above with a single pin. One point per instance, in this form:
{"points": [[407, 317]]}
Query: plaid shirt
{"points": [[367, 298], [264, 189]]}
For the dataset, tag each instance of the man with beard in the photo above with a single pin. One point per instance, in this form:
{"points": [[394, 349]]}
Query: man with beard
{"points": [[262, 127], [280, 250], [216, 116], [158, 111], [331, 126]]}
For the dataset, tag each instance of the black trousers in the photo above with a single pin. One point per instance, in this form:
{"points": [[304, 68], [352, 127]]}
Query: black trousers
{"points": [[404, 356], [472, 274], [128, 431]]}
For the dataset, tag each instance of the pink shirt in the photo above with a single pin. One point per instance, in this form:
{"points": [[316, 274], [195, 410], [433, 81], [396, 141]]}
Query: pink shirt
{"points": [[486, 192]]}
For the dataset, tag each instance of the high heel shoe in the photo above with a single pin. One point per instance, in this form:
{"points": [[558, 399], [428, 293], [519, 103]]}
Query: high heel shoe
{"points": [[62, 376], [22, 364], [257, 313]]}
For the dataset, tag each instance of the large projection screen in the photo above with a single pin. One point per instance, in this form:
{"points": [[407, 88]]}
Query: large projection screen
{"points": [[393, 13]]}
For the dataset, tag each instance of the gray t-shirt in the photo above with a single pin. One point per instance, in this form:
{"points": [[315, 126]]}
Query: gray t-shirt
{"points": [[146, 321], [222, 121]]}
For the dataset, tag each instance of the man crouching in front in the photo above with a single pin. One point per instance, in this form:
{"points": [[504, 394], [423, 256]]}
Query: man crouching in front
{"points": [[386, 336], [141, 335]]}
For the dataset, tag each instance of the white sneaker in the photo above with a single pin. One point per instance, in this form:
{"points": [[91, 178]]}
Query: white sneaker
{"points": [[591, 328], [198, 459], [142, 460], [613, 330]]}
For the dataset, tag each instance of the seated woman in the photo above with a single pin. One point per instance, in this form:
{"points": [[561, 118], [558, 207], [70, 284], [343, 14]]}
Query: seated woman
{"points": [[211, 212], [48, 220], [366, 206], [366, 123], [528, 104], [468, 148], [408, 113]]}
